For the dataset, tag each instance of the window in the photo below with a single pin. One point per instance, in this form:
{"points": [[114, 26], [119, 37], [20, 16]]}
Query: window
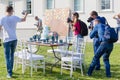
{"points": [[28, 6], [50, 4], [106, 5], [78, 5], [10, 3]]}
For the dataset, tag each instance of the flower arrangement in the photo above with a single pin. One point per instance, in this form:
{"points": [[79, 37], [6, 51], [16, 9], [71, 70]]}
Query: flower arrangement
{"points": [[53, 36]]}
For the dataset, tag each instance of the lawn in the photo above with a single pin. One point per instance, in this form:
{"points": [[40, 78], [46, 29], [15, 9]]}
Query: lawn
{"points": [[55, 75]]}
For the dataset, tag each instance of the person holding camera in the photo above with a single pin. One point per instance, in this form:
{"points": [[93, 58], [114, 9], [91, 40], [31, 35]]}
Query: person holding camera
{"points": [[104, 49], [8, 25], [38, 24], [76, 28], [117, 18], [96, 42]]}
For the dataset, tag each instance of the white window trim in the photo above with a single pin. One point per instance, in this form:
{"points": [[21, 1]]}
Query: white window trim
{"points": [[106, 10], [32, 7], [10, 1], [83, 8], [53, 5], [13, 4]]}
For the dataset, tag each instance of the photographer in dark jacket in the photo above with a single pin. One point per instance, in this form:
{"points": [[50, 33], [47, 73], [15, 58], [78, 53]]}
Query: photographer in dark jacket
{"points": [[104, 49], [96, 42]]}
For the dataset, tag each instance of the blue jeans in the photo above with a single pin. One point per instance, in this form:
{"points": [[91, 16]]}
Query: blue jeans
{"points": [[79, 36], [104, 49], [118, 30], [9, 49], [96, 44]]}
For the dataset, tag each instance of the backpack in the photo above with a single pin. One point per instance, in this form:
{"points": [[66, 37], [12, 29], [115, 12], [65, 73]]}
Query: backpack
{"points": [[110, 34], [84, 29]]}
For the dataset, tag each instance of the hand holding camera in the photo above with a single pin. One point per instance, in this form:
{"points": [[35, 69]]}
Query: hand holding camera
{"points": [[69, 20], [90, 19], [36, 24], [90, 27], [24, 12]]}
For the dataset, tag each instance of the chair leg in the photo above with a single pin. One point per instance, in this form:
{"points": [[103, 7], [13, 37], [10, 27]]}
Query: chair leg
{"points": [[61, 68], [74, 66], [31, 70], [44, 66], [16, 64], [71, 70], [81, 68], [35, 68], [23, 64], [84, 66]]}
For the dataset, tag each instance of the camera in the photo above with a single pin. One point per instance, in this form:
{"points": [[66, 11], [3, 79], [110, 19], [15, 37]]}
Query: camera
{"points": [[90, 27], [36, 24], [90, 19], [69, 20], [24, 11]]}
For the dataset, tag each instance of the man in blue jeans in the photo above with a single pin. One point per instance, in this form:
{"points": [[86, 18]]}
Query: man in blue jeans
{"points": [[104, 48], [96, 41], [8, 24]]}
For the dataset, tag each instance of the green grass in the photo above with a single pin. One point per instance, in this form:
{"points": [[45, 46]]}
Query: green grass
{"points": [[55, 75]]}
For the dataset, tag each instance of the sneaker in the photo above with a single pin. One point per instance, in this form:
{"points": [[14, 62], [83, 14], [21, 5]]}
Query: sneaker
{"points": [[8, 76]]}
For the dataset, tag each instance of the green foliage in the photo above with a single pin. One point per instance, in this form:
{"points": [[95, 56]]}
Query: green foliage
{"points": [[55, 75]]}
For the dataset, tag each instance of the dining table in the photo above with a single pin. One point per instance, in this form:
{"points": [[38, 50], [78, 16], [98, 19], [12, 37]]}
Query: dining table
{"points": [[52, 45]]}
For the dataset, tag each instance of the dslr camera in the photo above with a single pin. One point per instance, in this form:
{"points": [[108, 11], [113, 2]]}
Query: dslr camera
{"points": [[90, 27], [69, 20], [24, 11], [90, 19]]}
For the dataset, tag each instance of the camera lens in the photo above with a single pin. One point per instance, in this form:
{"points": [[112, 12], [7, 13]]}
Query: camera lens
{"points": [[69, 20], [24, 11], [90, 19], [89, 27]]}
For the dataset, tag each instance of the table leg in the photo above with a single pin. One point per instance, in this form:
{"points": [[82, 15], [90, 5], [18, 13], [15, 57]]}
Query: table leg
{"points": [[57, 61], [54, 65]]}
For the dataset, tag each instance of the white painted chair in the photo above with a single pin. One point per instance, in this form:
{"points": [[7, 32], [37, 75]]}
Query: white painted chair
{"points": [[28, 58], [18, 53], [75, 58]]}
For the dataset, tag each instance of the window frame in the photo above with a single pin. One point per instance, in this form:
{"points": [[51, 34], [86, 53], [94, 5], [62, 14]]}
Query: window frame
{"points": [[105, 10], [32, 4], [11, 3], [83, 6], [53, 4]]}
